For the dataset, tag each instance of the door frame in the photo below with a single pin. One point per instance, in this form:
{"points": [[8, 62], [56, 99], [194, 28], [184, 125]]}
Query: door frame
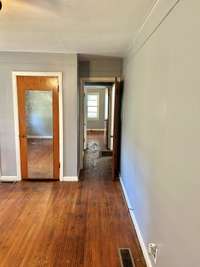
{"points": [[83, 80], [16, 116]]}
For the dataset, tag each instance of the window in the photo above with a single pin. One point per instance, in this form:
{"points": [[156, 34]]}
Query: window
{"points": [[93, 106]]}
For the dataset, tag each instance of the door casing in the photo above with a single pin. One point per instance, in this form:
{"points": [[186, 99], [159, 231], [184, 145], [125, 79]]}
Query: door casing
{"points": [[82, 132], [117, 122], [16, 117]]}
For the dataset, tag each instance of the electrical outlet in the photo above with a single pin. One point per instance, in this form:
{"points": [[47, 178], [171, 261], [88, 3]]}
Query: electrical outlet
{"points": [[153, 251]]}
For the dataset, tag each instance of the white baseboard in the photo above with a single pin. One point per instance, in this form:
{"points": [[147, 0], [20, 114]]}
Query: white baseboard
{"points": [[9, 179], [139, 234], [96, 130], [69, 179], [16, 179]]}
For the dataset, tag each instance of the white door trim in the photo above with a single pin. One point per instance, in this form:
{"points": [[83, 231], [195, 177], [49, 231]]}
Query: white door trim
{"points": [[16, 118]]}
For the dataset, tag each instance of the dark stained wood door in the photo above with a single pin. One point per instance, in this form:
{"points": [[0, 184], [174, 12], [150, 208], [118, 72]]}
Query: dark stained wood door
{"points": [[40, 83], [117, 130]]}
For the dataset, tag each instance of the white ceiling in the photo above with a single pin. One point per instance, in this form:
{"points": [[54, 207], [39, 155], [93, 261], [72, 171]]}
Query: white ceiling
{"points": [[104, 27]]}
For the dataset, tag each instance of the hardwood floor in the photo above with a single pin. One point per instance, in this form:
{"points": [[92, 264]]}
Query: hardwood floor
{"points": [[93, 155], [44, 224], [40, 158], [98, 137]]}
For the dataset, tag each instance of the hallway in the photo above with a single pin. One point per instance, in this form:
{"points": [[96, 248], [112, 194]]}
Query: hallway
{"points": [[93, 160], [98, 137]]}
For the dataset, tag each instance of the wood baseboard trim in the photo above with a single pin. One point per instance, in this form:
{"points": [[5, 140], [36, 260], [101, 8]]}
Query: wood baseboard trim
{"points": [[136, 225], [69, 179]]}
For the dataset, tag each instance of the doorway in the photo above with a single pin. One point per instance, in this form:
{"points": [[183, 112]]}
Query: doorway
{"points": [[37, 100], [101, 125]]}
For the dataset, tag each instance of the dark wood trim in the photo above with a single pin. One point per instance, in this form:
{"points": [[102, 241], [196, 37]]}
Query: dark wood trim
{"points": [[117, 130], [56, 159]]}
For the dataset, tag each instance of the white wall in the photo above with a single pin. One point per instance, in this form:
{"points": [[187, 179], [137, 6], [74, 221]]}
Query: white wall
{"points": [[160, 164], [65, 63]]}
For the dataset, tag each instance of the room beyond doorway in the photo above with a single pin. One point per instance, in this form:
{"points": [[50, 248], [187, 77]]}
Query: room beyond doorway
{"points": [[100, 123]]}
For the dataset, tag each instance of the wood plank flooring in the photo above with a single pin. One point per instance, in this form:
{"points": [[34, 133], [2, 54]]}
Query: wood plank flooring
{"points": [[44, 224], [98, 137]]}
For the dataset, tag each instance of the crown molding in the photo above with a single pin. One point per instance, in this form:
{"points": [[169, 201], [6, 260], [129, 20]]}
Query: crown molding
{"points": [[157, 15]]}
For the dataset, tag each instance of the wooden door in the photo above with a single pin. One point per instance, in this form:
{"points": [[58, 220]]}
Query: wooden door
{"points": [[107, 117], [85, 118], [33, 84], [117, 130]]}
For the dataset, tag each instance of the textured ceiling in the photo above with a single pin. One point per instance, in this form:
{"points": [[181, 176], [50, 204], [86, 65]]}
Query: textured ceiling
{"points": [[104, 27]]}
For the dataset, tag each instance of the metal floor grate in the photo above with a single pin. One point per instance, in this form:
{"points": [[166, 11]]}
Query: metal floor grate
{"points": [[126, 258]]}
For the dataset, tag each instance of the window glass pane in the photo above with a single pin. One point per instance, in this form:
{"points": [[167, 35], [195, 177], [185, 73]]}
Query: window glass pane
{"points": [[92, 97], [92, 109], [92, 115], [92, 103], [39, 122]]}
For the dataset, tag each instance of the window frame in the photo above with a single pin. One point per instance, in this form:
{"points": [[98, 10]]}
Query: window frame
{"points": [[96, 94]]}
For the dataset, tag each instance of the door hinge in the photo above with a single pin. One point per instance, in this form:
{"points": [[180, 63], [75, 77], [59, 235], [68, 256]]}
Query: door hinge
{"points": [[59, 165]]}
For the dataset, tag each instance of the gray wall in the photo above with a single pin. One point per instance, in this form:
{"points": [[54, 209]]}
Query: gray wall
{"points": [[65, 63], [96, 66], [99, 123], [161, 136]]}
